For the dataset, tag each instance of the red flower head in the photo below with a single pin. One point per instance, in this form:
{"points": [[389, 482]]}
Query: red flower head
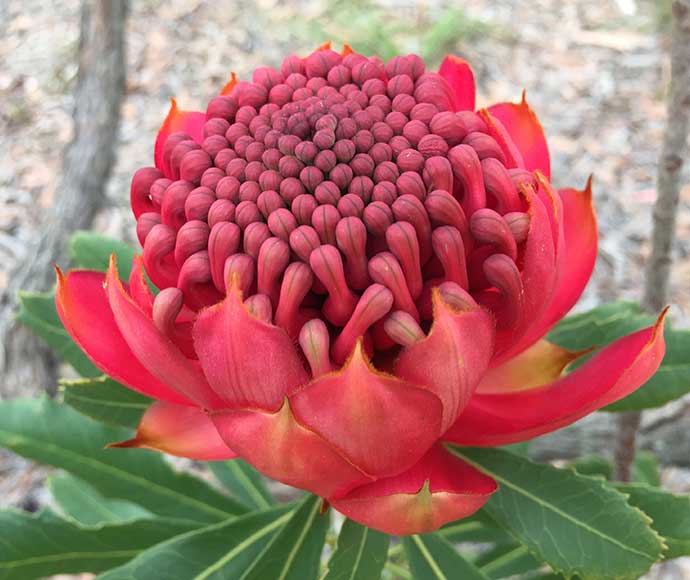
{"points": [[355, 266]]}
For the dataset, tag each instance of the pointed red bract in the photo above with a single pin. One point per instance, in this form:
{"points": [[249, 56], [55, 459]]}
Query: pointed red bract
{"points": [[580, 250], [439, 489], [283, 449], [227, 87], [527, 133], [458, 73], [138, 288], [380, 423], [248, 362], [616, 371], [504, 139], [83, 307], [177, 121], [179, 430], [155, 351], [450, 361]]}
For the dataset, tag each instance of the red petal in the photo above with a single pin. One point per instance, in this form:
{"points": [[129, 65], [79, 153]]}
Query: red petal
{"points": [[503, 138], [138, 288], [441, 488], [153, 349], [580, 250], [542, 363], [283, 449], [189, 122], [179, 430], [616, 371], [527, 133], [460, 77], [83, 307], [248, 362], [450, 361], [380, 423]]}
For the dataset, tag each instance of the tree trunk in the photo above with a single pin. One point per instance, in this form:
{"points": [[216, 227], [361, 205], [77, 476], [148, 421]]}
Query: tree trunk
{"points": [[666, 207], [26, 365]]}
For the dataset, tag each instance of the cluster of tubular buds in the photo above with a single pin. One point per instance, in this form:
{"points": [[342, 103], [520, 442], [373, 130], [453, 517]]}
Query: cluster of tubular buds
{"points": [[336, 193]]}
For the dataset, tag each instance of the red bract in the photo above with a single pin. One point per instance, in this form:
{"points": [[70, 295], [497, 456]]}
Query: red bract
{"points": [[354, 268]]}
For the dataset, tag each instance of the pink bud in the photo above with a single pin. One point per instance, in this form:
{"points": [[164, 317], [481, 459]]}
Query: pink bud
{"points": [[489, 227], [450, 250], [327, 265], [296, 283], [281, 223], [518, 222], [449, 126], [145, 224], [502, 273], [223, 242], [198, 203], [410, 160], [432, 145], [240, 267], [324, 220], [228, 188], [467, 170], [303, 241], [166, 306], [408, 208], [373, 305], [315, 343], [403, 243], [403, 328], [385, 191], [192, 237], [378, 217], [350, 205], [259, 305], [351, 236], [410, 183]]}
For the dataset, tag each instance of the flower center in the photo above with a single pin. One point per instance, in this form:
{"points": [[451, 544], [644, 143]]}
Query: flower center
{"points": [[340, 189]]}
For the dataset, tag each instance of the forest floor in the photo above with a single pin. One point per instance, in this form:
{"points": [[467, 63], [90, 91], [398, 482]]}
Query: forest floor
{"points": [[595, 71]]}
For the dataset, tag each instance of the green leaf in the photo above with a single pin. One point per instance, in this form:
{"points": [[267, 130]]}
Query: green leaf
{"points": [[477, 528], [295, 553], [243, 481], [217, 552], [433, 558], [670, 382], [670, 515], [599, 326], [80, 501], [50, 433], [92, 251], [40, 545], [645, 469], [105, 400], [577, 524], [360, 553], [508, 559], [37, 311], [593, 465]]}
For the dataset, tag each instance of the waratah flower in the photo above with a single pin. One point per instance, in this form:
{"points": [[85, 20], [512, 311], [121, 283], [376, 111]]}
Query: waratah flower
{"points": [[355, 267]]}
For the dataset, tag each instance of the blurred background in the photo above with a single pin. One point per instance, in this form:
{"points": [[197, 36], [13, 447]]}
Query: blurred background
{"points": [[595, 71]]}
